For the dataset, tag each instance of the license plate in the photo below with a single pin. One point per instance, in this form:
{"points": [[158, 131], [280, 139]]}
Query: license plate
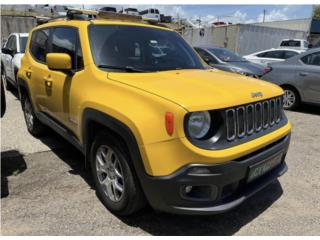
{"points": [[261, 168]]}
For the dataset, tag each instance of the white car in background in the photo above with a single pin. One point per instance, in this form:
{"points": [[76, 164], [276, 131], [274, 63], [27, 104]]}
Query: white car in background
{"points": [[295, 43], [272, 55], [11, 55], [151, 14]]}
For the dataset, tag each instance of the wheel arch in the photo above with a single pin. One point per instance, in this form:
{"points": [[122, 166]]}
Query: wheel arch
{"points": [[286, 85], [23, 88], [94, 121]]}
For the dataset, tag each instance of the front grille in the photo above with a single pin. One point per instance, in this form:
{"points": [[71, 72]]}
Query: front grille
{"points": [[252, 118]]}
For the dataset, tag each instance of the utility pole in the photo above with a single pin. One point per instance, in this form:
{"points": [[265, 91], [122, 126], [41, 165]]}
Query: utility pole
{"points": [[264, 15], [199, 21]]}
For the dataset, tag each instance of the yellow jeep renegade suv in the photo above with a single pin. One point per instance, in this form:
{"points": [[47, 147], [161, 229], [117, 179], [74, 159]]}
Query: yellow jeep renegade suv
{"points": [[155, 125]]}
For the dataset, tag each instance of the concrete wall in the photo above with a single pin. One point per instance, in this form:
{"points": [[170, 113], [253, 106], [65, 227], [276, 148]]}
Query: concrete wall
{"points": [[11, 24], [220, 36], [257, 38], [241, 38], [295, 24]]}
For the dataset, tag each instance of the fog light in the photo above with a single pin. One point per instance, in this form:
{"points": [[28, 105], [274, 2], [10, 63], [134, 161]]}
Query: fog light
{"points": [[199, 170], [188, 189]]}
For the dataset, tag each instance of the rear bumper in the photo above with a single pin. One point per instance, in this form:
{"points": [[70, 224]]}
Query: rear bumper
{"points": [[221, 188]]}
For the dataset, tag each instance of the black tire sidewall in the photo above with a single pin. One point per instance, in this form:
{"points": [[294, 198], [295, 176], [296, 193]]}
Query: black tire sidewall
{"points": [[124, 206], [37, 128]]}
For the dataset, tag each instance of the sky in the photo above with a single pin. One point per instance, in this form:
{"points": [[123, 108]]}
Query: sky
{"points": [[233, 13], [226, 13]]}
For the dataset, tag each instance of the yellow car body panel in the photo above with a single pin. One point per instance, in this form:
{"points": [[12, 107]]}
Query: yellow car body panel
{"points": [[141, 100]]}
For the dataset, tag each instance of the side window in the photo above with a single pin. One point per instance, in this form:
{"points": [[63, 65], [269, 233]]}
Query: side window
{"points": [[40, 44], [289, 54], [261, 54], [66, 40], [14, 43], [8, 43], [274, 54], [205, 55], [312, 59]]}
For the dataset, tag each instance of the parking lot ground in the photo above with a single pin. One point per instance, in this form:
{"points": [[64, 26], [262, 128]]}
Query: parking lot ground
{"points": [[45, 190]]}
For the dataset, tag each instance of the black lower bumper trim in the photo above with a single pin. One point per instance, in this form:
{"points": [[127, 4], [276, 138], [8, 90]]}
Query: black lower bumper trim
{"points": [[219, 188]]}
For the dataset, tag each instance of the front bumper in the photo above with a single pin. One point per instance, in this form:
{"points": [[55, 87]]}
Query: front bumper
{"points": [[224, 187]]}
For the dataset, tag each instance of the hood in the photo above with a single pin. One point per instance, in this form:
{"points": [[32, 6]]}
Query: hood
{"points": [[197, 90], [248, 67]]}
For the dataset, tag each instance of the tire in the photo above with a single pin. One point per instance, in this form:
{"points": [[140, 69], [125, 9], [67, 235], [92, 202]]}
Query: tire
{"points": [[291, 98], [8, 85], [34, 126], [115, 180]]}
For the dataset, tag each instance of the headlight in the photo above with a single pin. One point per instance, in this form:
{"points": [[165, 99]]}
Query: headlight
{"points": [[199, 124]]}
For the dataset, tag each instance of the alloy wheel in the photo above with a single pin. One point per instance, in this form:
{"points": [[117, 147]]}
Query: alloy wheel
{"points": [[110, 174], [289, 98], [28, 114]]}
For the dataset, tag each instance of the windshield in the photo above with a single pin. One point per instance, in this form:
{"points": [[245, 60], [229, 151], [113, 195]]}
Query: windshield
{"points": [[23, 43], [140, 48], [226, 55]]}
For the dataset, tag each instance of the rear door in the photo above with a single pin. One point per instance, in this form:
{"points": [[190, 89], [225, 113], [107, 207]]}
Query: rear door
{"points": [[308, 73], [37, 68]]}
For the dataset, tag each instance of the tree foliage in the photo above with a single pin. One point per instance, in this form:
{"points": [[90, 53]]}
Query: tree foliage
{"points": [[316, 13]]}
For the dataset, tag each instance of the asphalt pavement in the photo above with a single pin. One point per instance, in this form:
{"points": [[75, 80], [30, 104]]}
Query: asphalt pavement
{"points": [[45, 190]]}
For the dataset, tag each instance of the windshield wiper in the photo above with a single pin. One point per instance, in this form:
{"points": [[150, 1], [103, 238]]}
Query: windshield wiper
{"points": [[125, 68]]}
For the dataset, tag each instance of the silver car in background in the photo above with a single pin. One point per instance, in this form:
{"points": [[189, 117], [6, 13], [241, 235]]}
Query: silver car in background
{"points": [[299, 76]]}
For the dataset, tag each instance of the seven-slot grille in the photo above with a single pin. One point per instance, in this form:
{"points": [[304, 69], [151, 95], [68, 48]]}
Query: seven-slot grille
{"points": [[247, 119]]}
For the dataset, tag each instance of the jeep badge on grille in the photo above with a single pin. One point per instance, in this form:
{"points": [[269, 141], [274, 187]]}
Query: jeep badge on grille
{"points": [[256, 94]]}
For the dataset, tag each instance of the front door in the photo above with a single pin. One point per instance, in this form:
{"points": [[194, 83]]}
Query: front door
{"points": [[58, 83]]}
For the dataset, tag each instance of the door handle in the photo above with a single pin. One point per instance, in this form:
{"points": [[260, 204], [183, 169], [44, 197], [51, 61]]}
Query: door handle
{"points": [[303, 74], [48, 82], [28, 73]]}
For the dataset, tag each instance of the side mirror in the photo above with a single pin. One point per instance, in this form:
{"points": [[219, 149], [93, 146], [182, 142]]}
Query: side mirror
{"points": [[310, 45], [8, 51], [59, 61]]}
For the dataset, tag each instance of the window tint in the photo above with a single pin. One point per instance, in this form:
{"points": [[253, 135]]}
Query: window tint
{"points": [[290, 43], [289, 54], [204, 55], [11, 43], [312, 59], [274, 54], [40, 44], [8, 43], [14, 43], [23, 43], [226, 55], [261, 54], [66, 40], [144, 48]]}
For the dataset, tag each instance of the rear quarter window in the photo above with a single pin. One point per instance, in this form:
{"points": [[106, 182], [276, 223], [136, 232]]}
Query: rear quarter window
{"points": [[312, 59]]}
